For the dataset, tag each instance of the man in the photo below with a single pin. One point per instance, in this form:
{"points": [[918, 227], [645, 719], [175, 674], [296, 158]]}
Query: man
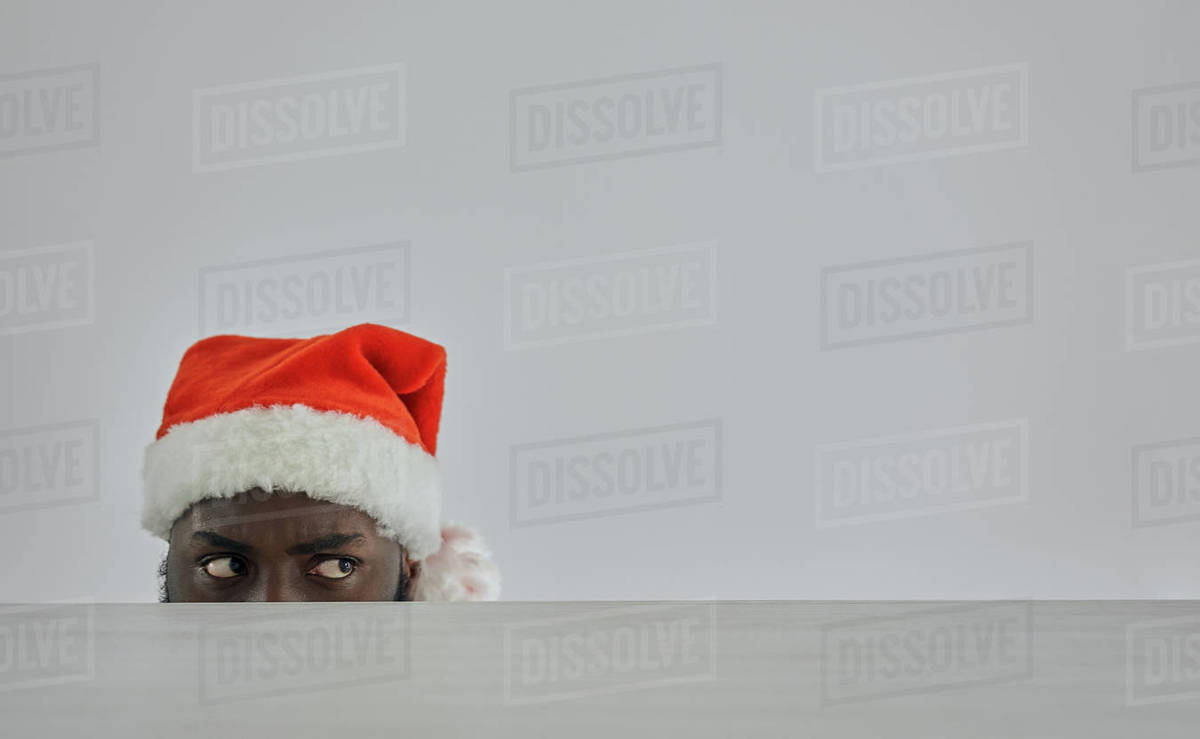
{"points": [[304, 470]]}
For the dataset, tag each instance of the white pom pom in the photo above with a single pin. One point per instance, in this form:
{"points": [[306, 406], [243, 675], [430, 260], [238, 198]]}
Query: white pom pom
{"points": [[462, 569]]}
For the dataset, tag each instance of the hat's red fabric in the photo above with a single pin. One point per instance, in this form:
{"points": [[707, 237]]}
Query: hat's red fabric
{"points": [[368, 370]]}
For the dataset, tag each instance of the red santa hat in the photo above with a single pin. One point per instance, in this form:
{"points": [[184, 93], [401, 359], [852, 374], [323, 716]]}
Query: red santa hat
{"points": [[349, 417]]}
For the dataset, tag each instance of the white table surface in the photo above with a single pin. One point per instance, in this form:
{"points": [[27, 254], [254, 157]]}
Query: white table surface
{"points": [[729, 669]]}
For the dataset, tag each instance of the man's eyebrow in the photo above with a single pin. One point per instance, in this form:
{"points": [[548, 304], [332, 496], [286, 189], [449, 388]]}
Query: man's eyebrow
{"points": [[220, 541], [329, 541]]}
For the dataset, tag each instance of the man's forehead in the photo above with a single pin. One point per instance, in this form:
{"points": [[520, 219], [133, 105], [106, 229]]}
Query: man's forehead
{"points": [[285, 516]]}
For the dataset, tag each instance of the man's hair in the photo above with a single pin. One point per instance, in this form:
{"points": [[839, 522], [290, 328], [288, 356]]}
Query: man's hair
{"points": [[163, 595], [403, 587]]}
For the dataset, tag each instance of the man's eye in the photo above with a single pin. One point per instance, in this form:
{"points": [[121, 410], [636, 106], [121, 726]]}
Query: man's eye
{"points": [[334, 568], [224, 567]]}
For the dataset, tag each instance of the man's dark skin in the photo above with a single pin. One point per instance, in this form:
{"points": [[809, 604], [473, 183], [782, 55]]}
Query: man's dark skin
{"points": [[281, 547]]}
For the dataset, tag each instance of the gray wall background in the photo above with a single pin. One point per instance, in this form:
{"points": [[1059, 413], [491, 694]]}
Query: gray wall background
{"points": [[1074, 400]]}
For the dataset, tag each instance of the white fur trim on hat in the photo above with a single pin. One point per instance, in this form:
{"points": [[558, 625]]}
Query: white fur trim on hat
{"points": [[329, 455], [462, 569]]}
